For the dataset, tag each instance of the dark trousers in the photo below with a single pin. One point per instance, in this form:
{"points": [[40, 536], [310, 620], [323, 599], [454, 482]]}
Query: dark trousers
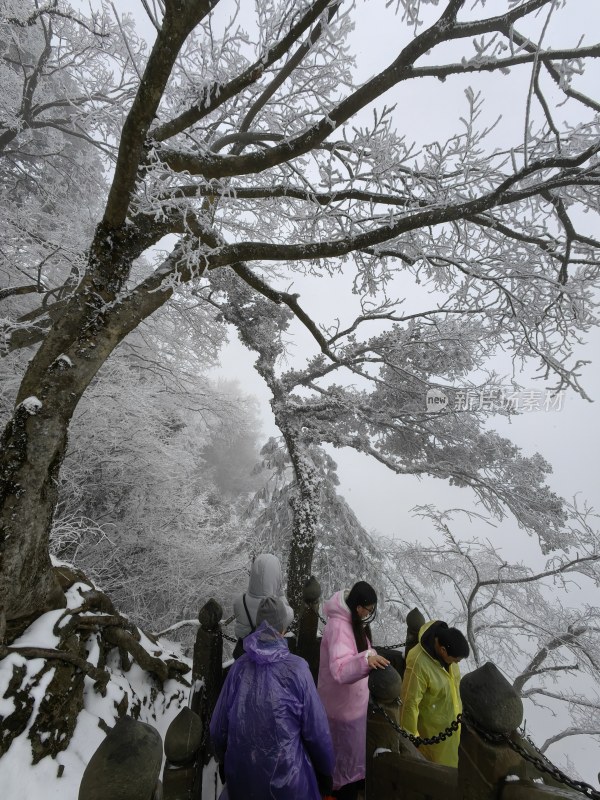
{"points": [[349, 791]]}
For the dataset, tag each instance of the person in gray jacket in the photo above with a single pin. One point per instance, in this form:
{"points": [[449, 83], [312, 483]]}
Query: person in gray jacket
{"points": [[265, 581]]}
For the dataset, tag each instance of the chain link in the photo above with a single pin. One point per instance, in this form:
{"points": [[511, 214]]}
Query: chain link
{"points": [[540, 762], [419, 740]]}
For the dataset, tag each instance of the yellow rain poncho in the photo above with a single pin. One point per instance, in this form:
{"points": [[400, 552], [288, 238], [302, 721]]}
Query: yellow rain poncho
{"points": [[430, 702]]}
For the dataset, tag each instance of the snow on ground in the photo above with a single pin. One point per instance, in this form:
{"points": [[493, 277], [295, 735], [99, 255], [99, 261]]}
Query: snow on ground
{"points": [[60, 777]]}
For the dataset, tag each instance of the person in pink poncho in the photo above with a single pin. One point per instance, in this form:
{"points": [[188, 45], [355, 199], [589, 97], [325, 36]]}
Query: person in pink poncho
{"points": [[346, 660]]}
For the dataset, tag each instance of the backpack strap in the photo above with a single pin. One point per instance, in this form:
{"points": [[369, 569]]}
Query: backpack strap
{"points": [[248, 614]]}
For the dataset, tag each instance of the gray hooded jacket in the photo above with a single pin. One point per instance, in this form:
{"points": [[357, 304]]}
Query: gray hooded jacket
{"points": [[265, 581]]}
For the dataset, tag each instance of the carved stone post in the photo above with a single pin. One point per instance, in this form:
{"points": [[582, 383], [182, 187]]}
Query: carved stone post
{"points": [[384, 686], [182, 744], [208, 660], [490, 702], [126, 766], [207, 680], [309, 646], [414, 622]]}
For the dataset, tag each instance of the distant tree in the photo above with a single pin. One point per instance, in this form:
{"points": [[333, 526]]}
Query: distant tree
{"points": [[231, 451], [344, 551], [386, 418], [258, 159], [535, 622], [139, 509]]}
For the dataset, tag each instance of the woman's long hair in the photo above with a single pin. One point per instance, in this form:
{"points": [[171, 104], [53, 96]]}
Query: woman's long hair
{"points": [[361, 594]]}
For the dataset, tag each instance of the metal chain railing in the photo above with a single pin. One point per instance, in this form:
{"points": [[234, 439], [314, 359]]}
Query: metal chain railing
{"points": [[540, 762], [418, 740], [226, 636]]}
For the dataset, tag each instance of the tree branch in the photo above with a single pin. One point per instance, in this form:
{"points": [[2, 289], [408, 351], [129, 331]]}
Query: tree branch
{"points": [[217, 93], [175, 29], [101, 676]]}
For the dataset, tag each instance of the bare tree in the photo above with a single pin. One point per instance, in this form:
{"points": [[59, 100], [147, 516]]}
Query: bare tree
{"points": [[66, 84], [261, 153], [386, 418], [533, 622], [139, 509]]}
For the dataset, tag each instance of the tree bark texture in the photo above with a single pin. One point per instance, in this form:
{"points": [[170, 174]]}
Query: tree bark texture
{"points": [[305, 513], [34, 442]]}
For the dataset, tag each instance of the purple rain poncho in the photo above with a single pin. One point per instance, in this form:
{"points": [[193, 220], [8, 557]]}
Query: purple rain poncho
{"points": [[269, 725]]}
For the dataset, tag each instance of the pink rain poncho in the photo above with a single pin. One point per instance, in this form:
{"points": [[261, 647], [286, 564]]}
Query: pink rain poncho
{"points": [[344, 690], [269, 725]]}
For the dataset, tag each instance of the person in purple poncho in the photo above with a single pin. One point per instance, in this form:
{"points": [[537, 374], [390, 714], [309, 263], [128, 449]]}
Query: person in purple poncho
{"points": [[345, 663], [269, 726]]}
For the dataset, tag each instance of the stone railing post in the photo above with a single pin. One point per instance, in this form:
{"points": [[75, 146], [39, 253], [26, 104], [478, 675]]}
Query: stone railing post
{"points": [[414, 622], [309, 645], [384, 687], [491, 703], [126, 766], [182, 746], [208, 661], [187, 743]]}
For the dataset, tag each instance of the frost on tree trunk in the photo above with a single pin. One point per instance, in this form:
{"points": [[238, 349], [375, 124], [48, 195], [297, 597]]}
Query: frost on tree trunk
{"points": [[305, 514], [34, 441], [31, 451], [33, 447], [87, 329]]}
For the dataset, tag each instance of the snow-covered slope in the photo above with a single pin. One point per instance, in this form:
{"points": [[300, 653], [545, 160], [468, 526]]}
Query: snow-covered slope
{"points": [[24, 683]]}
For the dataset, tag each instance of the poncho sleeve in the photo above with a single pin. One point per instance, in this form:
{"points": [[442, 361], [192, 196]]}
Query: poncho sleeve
{"points": [[346, 665], [219, 722], [315, 727], [414, 686]]}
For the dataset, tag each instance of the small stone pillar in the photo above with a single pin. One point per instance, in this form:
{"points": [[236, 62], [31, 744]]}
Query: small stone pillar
{"points": [[208, 668], [208, 652], [384, 686], [182, 744], [414, 622], [309, 645], [490, 702], [127, 764]]}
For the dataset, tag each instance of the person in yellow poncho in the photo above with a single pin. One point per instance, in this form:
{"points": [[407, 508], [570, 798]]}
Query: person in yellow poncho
{"points": [[430, 696]]}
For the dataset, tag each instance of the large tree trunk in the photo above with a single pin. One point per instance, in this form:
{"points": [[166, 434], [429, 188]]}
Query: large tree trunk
{"points": [[34, 441], [93, 322], [33, 447], [305, 511]]}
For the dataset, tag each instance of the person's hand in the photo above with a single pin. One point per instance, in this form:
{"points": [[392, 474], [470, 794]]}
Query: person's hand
{"points": [[377, 662]]}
